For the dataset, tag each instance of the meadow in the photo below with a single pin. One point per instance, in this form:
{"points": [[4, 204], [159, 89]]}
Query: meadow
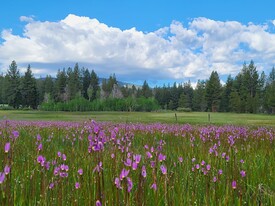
{"points": [[194, 118], [123, 163]]}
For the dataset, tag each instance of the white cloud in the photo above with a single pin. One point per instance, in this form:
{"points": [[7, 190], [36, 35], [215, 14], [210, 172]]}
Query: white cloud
{"points": [[175, 52]]}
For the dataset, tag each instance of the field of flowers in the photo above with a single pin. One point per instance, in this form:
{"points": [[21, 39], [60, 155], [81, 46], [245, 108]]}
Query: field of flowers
{"points": [[89, 163]]}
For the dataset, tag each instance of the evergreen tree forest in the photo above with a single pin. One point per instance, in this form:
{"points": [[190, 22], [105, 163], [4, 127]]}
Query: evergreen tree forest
{"points": [[79, 89]]}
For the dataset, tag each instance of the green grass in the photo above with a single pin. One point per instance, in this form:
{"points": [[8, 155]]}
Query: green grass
{"points": [[146, 117]]}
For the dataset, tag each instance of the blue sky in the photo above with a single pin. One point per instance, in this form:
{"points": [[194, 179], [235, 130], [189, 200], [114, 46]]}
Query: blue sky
{"points": [[160, 41]]}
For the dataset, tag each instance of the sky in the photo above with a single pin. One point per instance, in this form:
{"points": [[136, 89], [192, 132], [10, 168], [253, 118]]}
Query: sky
{"points": [[158, 41]]}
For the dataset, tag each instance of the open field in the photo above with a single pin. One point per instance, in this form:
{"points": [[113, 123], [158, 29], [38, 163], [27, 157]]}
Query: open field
{"points": [[104, 163], [200, 118]]}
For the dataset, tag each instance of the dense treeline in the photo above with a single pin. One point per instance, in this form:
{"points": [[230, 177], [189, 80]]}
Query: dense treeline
{"points": [[75, 89]]}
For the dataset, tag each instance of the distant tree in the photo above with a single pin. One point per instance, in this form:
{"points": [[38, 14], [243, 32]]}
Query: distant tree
{"points": [[29, 90], [199, 100], [60, 86], [225, 96], [94, 85], [13, 86], [85, 82], [145, 90], [213, 92]]}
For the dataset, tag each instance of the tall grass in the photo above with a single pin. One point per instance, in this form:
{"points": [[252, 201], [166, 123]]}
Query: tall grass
{"points": [[89, 163]]}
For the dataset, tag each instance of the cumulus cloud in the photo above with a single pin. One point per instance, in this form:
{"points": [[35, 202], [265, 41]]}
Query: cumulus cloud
{"points": [[178, 51]]}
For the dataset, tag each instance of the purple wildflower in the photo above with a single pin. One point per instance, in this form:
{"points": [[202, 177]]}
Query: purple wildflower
{"points": [[220, 172], [124, 173], [154, 186], [163, 169], [202, 162], [214, 179], [80, 171], [180, 159], [137, 158], [7, 147], [149, 155], [59, 154], [64, 157], [15, 134], [197, 166], [242, 161], [243, 174], [51, 185], [161, 157], [39, 148], [143, 171], [208, 167], [128, 162], [117, 183], [41, 160], [2, 177], [193, 159], [234, 184], [153, 164], [77, 185], [134, 166], [129, 184], [98, 203], [7, 170]]}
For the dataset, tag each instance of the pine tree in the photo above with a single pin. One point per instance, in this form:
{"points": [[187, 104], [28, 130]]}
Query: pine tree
{"points": [[29, 90], [213, 92], [13, 86]]}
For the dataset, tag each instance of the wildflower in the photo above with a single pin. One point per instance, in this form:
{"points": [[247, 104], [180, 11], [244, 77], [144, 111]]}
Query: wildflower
{"points": [[154, 186], [129, 184], [208, 167], [134, 166], [64, 157], [7, 147], [227, 158], [214, 179], [128, 162], [77, 185], [234, 184], [39, 148], [38, 137], [117, 183], [220, 172], [161, 157], [15, 134], [112, 156], [137, 158], [202, 162], [59, 154], [180, 159], [41, 160], [242, 161], [2, 177], [149, 155], [98, 203], [124, 173], [163, 169], [7, 170], [243, 174], [153, 164], [98, 168], [80, 171], [193, 159], [51, 185], [143, 171], [197, 166]]}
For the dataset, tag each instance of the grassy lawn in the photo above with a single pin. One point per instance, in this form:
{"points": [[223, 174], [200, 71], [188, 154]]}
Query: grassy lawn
{"points": [[163, 117]]}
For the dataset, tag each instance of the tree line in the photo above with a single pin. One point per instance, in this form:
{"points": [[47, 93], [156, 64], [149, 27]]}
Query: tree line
{"points": [[79, 89]]}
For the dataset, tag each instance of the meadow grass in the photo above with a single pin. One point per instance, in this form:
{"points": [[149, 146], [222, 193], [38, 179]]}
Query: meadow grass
{"points": [[199, 118], [89, 163]]}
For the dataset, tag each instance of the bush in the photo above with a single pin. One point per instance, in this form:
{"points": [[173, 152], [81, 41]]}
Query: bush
{"points": [[183, 109]]}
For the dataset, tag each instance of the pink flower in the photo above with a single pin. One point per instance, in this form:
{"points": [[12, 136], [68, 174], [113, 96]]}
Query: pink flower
{"points": [[234, 184], [7, 147]]}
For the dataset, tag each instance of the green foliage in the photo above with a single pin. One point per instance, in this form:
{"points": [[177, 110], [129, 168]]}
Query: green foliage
{"points": [[184, 109]]}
